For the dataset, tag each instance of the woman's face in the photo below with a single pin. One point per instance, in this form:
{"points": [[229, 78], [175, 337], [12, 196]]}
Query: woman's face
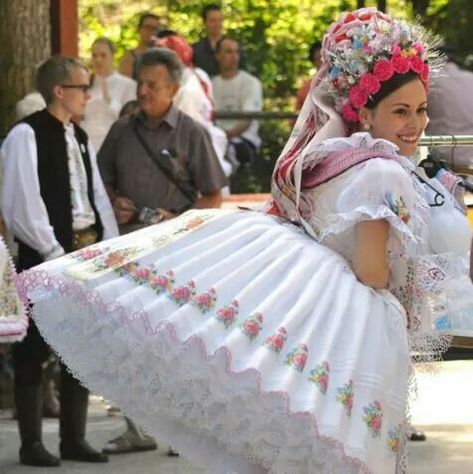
{"points": [[401, 117], [102, 59]]}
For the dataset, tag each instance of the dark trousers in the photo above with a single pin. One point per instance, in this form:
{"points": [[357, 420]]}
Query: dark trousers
{"points": [[28, 358]]}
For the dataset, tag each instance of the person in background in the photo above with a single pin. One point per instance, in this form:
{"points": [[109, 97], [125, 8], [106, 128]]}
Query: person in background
{"points": [[148, 27], [315, 59], [193, 176], [109, 92], [451, 109], [195, 94], [236, 90], [53, 202], [205, 48]]}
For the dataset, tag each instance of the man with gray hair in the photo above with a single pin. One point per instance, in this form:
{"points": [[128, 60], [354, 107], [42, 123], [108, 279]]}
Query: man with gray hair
{"points": [[159, 162], [54, 202], [155, 165]]}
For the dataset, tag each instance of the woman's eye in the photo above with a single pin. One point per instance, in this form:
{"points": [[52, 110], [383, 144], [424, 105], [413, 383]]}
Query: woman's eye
{"points": [[400, 112], [422, 110]]}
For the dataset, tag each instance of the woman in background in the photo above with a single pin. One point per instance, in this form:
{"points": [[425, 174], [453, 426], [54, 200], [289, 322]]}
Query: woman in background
{"points": [[109, 92]]}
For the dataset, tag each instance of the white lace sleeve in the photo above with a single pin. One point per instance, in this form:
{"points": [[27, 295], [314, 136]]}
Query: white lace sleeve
{"points": [[376, 189]]}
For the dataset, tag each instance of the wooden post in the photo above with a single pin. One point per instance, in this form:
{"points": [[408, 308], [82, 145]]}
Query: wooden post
{"points": [[65, 28]]}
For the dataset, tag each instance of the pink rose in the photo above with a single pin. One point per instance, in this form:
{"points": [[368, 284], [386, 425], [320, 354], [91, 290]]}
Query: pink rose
{"points": [[383, 70], [142, 272], [161, 281], [358, 97], [370, 83], [252, 327], [349, 113], [400, 64], [376, 423], [181, 293], [419, 47], [424, 75], [416, 64], [300, 360], [396, 50], [203, 299], [278, 341]]}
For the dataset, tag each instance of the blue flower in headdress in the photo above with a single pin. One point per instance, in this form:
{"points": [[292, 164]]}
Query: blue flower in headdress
{"points": [[357, 44], [334, 73]]}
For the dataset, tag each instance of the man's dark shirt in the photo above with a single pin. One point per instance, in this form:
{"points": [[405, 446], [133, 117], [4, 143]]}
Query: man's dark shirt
{"points": [[126, 167], [204, 57]]}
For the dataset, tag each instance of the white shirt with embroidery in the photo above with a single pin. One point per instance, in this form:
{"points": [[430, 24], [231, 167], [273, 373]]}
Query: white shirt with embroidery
{"points": [[23, 208]]}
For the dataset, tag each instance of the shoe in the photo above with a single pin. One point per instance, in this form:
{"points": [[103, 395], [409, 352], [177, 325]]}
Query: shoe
{"points": [[37, 455], [129, 442], [417, 436], [171, 453], [81, 451]]}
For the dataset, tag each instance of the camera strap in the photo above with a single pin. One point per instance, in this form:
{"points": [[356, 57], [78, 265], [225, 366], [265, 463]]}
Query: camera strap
{"points": [[157, 160]]}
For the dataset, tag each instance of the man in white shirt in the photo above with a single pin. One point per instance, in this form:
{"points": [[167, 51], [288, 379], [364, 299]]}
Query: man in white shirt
{"points": [[237, 90], [450, 110], [53, 202]]}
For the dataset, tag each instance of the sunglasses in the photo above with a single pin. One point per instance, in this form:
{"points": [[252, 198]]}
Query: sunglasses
{"points": [[83, 87]]}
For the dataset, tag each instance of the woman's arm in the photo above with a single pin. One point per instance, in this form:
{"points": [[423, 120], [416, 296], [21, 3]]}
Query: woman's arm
{"points": [[370, 257]]}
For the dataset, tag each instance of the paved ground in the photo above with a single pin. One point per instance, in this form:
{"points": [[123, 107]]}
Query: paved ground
{"points": [[444, 409]]}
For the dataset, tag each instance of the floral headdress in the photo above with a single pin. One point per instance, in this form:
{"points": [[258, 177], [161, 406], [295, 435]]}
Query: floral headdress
{"points": [[360, 51], [365, 48]]}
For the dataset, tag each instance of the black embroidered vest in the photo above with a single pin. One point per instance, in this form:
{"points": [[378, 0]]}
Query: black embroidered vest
{"points": [[53, 174]]}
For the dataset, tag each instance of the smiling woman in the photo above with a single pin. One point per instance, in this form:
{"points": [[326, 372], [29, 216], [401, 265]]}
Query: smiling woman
{"points": [[280, 341]]}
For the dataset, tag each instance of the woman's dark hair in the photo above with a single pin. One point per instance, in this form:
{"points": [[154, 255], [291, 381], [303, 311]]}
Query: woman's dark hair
{"points": [[389, 86], [316, 45], [107, 42]]}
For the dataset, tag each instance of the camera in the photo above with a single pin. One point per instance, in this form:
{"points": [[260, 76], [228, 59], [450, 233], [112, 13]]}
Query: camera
{"points": [[150, 216]]}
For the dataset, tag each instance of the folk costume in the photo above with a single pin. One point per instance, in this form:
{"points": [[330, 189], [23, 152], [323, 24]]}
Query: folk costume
{"points": [[53, 202], [243, 338], [13, 319]]}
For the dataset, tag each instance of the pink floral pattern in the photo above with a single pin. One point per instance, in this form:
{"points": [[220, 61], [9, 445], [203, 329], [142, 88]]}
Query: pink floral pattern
{"points": [[252, 325], [205, 301], [345, 396], [320, 376], [183, 294], [228, 314], [88, 253], [373, 418], [297, 358], [115, 259], [161, 283], [276, 341]]}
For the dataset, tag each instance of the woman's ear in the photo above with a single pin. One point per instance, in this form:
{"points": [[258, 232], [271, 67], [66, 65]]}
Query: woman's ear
{"points": [[366, 117]]}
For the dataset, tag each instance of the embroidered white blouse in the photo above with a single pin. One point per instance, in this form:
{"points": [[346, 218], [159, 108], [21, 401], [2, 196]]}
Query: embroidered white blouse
{"points": [[23, 208]]}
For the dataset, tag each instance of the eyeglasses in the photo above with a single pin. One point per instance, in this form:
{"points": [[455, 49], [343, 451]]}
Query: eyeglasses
{"points": [[83, 87]]}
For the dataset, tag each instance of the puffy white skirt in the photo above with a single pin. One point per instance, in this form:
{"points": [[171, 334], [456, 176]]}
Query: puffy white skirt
{"points": [[238, 340]]}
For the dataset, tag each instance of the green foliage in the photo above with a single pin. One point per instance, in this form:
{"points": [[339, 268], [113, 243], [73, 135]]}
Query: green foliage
{"points": [[275, 36]]}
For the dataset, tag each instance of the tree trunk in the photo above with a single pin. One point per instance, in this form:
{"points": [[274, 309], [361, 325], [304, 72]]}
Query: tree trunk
{"points": [[360, 3], [25, 42]]}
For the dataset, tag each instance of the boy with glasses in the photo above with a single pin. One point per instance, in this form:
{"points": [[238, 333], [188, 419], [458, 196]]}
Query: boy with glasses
{"points": [[54, 202]]}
